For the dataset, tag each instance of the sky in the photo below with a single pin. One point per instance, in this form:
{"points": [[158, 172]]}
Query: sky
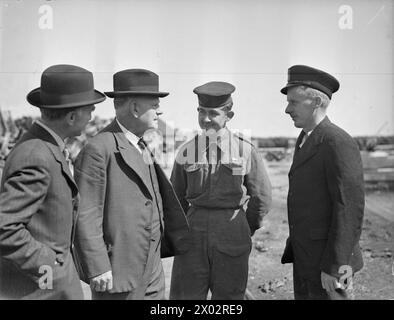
{"points": [[249, 43]]}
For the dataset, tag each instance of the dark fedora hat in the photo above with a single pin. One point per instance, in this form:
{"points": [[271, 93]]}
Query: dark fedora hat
{"points": [[300, 75], [65, 86], [136, 82]]}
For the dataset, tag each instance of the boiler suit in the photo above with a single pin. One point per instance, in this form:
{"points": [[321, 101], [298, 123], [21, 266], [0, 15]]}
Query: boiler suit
{"points": [[225, 201]]}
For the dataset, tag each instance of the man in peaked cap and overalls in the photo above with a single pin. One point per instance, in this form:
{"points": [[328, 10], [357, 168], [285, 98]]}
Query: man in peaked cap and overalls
{"points": [[38, 195], [129, 215], [326, 192], [223, 186]]}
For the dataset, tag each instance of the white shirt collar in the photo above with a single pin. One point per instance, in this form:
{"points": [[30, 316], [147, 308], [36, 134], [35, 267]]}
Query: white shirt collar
{"points": [[133, 139], [55, 136], [309, 132]]}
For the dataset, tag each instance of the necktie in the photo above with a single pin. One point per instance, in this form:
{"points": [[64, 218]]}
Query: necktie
{"points": [[66, 154], [141, 143], [304, 139], [145, 151]]}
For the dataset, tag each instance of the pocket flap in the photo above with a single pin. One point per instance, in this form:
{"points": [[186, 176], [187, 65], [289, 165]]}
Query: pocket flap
{"points": [[192, 167], [235, 168]]}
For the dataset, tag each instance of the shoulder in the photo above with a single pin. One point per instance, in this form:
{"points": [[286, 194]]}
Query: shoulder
{"points": [[339, 144], [243, 143], [32, 154], [30, 151], [101, 143], [242, 137], [187, 146], [335, 136]]}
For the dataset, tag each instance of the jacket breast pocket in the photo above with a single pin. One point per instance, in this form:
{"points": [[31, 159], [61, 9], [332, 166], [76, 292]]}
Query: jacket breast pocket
{"points": [[195, 178], [231, 178]]}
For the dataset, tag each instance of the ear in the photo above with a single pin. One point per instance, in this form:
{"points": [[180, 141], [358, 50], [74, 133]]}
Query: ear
{"points": [[70, 118], [230, 115], [134, 109], [317, 102]]}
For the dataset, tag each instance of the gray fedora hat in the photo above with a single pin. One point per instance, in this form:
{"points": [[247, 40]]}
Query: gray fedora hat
{"points": [[136, 82], [65, 86]]}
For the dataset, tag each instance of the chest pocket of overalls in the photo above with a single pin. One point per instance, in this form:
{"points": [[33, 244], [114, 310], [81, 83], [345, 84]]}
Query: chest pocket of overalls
{"points": [[195, 179], [231, 178]]}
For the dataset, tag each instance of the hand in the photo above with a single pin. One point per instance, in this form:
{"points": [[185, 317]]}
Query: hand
{"points": [[102, 283], [329, 282]]}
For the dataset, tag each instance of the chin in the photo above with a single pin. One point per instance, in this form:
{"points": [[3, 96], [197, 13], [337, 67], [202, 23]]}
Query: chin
{"points": [[154, 125], [297, 125]]}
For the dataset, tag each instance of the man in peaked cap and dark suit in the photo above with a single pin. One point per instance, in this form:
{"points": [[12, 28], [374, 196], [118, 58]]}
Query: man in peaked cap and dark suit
{"points": [[130, 216], [326, 192], [38, 195], [223, 186]]}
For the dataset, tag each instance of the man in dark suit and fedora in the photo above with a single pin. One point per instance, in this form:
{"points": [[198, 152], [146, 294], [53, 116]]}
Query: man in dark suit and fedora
{"points": [[326, 192], [130, 216], [38, 195]]}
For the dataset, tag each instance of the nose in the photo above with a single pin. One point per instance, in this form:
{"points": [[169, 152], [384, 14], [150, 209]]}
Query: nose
{"points": [[159, 112], [288, 109], [205, 118]]}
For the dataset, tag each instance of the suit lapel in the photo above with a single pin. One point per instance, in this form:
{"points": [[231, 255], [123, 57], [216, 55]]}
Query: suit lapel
{"points": [[45, 136], [131, 156], [310, 147]]}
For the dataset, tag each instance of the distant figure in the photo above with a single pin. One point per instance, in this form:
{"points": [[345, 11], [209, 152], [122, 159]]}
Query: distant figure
{"points": [[326, 192], [130, 216], [222, 184], [38, 195]]}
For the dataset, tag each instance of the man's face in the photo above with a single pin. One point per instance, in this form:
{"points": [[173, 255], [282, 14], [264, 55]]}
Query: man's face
{"points": [[148, 111], [212, 118], [82, 117], [300, 108]]}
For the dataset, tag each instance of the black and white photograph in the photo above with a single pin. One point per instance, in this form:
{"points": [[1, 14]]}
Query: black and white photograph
{"points": [[211, 150]]}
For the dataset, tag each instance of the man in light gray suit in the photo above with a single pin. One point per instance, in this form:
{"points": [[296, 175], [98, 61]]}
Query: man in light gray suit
{"points": [[130, 216]]}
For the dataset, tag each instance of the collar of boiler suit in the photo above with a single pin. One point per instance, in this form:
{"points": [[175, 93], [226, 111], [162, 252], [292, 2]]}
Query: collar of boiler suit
{"points": [[228, 145], [220, 138]]}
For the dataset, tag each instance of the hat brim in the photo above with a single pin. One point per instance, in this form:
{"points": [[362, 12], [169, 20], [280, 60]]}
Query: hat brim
{"points": [[34, 99], [307, 84], [112, 94], [284, 89]]}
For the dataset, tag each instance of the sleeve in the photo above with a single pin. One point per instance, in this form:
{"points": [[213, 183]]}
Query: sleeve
{"points": [[90, 176], [179, 182], [23, 192], [344, 174], [259, 189]]}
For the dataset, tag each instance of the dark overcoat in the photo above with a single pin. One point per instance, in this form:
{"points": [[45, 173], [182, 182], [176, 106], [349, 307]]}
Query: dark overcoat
{"points": [[325, 203]]}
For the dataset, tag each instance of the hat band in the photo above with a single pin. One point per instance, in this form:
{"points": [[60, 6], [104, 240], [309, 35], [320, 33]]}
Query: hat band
{"points": [[59, 99], [204, 102], [146, 88], [313, 85]]}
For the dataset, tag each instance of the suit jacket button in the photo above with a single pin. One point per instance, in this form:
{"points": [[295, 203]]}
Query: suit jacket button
{"points": [[148, 203], [60, 260]]}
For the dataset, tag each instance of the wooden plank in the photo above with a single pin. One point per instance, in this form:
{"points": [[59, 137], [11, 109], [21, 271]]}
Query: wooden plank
{"points": [[377, 160], [378, 176]]}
